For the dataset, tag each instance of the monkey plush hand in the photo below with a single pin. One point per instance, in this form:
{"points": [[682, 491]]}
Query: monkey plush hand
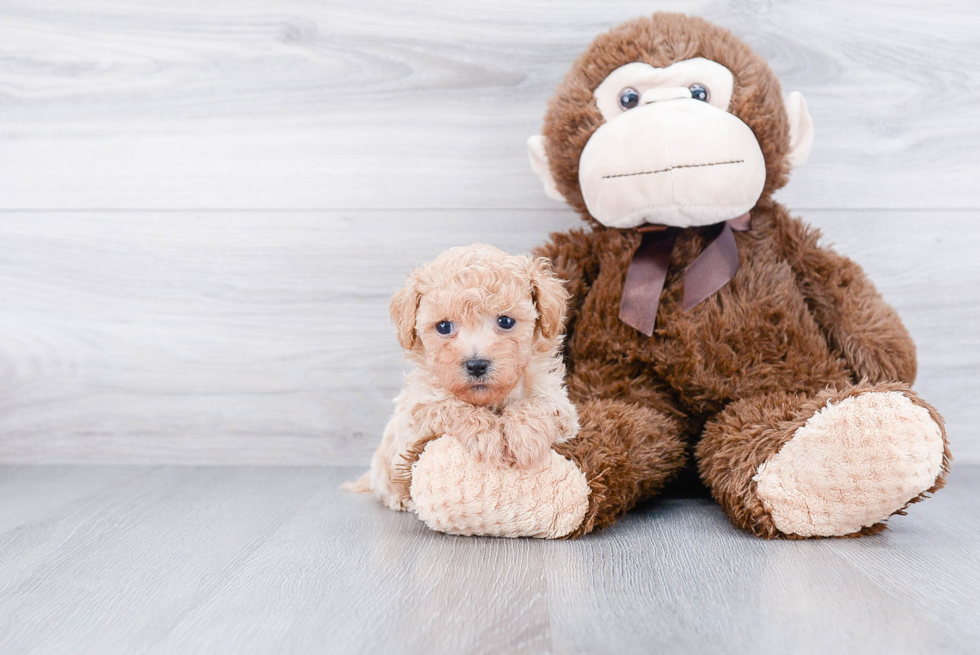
{"points": [[707, 328]]}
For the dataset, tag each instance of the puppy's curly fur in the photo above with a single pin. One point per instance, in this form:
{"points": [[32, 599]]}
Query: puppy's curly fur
{"points": [[512, 413]]}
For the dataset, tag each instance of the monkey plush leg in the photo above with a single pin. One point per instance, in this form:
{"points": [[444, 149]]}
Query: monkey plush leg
{"points": [[834, 464], [627, 451], [623, 453]]}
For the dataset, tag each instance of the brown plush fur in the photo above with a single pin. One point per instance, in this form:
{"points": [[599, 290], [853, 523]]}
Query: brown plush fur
{"points": [[797, 327]]}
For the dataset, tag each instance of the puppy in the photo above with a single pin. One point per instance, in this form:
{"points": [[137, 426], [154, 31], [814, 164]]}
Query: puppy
{"points": [[484, 330]]}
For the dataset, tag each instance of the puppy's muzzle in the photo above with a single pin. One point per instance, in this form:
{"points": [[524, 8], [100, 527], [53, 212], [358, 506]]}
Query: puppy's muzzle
{"points": [[477, 368]]}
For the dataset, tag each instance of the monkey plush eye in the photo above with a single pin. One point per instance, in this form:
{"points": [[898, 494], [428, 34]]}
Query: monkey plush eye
{"points": [[506, 322], [629, 98], [698, 92], [444, 328]]}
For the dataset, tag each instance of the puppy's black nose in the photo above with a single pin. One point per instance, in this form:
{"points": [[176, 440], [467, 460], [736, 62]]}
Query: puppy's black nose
{"points": [[477, 367]]}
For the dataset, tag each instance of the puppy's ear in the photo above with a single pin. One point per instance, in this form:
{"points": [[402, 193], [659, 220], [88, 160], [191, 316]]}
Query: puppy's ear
{"points": [[404, 308], [550, 297]]}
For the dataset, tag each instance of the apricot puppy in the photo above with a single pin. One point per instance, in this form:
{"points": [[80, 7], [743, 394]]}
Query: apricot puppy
{"points": [[484, 329]]}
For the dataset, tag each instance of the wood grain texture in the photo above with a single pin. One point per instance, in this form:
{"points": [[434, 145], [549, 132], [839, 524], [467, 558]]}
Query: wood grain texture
{"points": [[258, 338], [242, 328], [256, 560], [381, 104]]}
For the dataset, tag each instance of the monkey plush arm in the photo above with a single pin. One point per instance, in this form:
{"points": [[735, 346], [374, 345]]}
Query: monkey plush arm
{"points": [[857, 321], [574, 260]]}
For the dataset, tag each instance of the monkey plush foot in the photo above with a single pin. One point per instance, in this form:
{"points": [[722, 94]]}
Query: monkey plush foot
{"points": [[853, 464], [453, 493]]}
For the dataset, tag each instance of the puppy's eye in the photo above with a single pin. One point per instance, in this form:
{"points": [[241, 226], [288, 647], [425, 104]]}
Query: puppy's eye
{"points": [[629, 98], [699, 92], [444, 328], [506, 322]]}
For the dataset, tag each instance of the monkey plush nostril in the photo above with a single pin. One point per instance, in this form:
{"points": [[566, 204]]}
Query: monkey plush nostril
{"points": [[477, 367]]}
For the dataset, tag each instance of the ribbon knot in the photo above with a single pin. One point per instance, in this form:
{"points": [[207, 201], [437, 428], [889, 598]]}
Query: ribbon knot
{"points": [[710, 271]]}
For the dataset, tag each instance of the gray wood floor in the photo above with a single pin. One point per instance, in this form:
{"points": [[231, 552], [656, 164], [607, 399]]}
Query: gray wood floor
{"points": [[128, 559]]}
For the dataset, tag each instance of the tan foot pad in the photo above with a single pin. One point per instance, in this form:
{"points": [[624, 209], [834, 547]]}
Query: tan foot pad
{"points": [[453, 493], [851, 465]]}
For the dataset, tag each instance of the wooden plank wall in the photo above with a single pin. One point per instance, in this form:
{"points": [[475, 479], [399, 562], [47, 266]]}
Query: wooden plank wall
{"points": [[204, 207]]}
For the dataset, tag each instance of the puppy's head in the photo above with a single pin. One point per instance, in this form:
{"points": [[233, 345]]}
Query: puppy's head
{"points": [[476, 316]]}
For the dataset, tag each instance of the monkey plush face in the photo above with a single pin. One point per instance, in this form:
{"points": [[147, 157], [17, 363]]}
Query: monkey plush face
{"points": [[670, 121]]}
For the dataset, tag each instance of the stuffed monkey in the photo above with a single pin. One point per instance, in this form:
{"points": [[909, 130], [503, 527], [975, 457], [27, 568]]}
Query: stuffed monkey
{"points": [[706, 325]]}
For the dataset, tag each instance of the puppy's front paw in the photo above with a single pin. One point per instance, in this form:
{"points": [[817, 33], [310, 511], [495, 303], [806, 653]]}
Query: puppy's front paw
{"points": [[527, 443], [478, 430], [488, 448]]}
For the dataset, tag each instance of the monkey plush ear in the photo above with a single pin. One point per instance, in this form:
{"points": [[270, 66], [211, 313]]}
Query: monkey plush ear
{"points": [[539, 164], [404, 308], [800, 128], [550, 298]]}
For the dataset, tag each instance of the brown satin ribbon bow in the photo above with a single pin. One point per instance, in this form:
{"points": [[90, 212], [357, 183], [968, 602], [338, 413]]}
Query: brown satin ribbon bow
{"points": [[710, 271]]}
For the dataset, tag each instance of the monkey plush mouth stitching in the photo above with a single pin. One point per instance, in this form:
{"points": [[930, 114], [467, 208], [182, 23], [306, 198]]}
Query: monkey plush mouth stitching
{"points": [[673, 168]]}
